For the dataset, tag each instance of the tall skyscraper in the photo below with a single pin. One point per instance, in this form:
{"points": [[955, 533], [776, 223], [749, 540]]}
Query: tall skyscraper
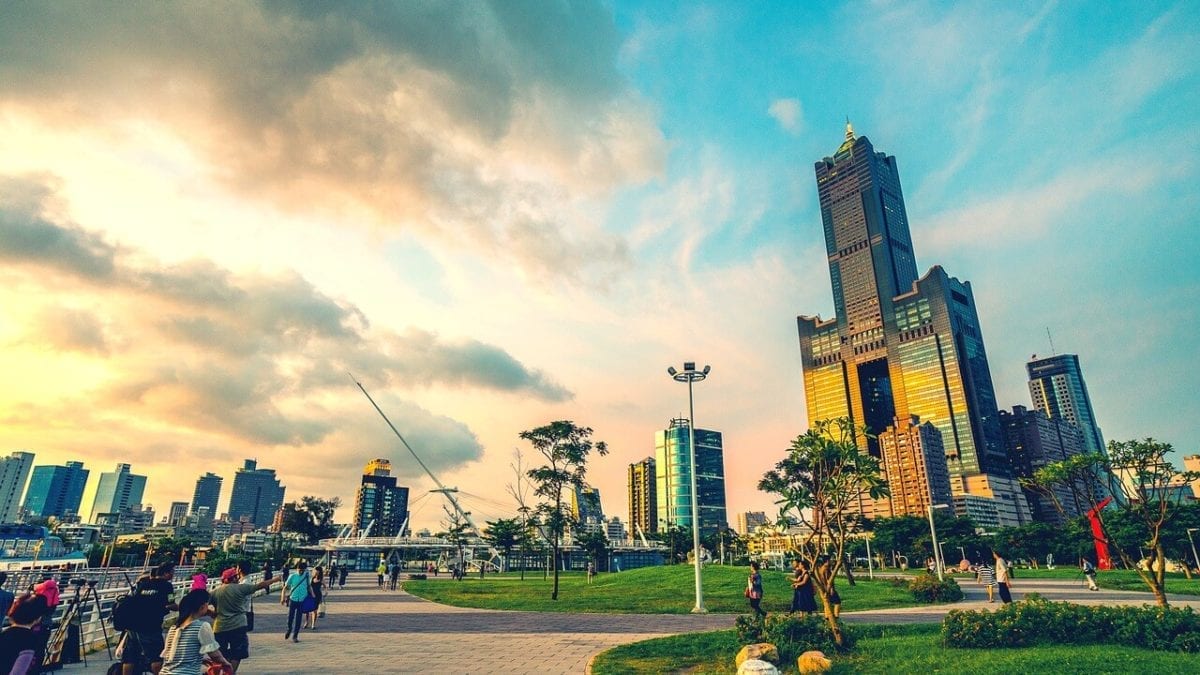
{"points": [[55, 490], [380, 504], [643, 498], [898, 346], [257, 494], [207, 493], [1057, 388], [1034, 440], [14, 473], [178, 513], [748, 520], [673, 478], [586, 509], [117, 491], [914, 463]]}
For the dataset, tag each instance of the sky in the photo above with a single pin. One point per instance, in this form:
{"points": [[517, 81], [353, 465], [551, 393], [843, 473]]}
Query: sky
{"points": [[500, 214]]}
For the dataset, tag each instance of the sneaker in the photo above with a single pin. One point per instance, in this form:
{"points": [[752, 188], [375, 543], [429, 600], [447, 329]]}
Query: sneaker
{"points": [[295, 639]]}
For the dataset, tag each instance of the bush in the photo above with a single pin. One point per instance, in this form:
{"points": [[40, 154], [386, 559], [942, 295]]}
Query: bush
{"points": [[1036, 621], [417, 576], [927, 588], [792, 634]]}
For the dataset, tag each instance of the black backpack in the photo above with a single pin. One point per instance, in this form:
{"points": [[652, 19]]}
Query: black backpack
{"points": [[133, 610]]}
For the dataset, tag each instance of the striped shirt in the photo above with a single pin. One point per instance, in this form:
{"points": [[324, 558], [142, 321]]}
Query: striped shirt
{"points": [[186, 648], [986, 576]]}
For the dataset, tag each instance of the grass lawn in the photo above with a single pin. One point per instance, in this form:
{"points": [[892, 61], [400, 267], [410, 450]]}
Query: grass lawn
{"points": [[1117, 580], [894, 649], [650, 590]]}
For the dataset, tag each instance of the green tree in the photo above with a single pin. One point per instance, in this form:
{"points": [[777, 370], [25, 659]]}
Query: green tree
{"points": [[596, 546], [458, 533], [566, 448], [503, 534], [311, 518], [821, 484], [899, 536], [678, 540]]}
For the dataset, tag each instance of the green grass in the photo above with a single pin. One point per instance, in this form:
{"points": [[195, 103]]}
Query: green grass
{"points": [[893, 649], [649, 590], [1117, 580]]}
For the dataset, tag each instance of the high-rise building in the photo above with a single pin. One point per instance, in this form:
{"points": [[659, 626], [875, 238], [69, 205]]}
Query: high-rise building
{"points": [[117, 490], [14, 473], [1034, 440], [381, 506], [673, 478], [586, 509], [1057, 388], [178, 512], [207, 493], [55, 490], [899, 345], [257, 494], [748, 520], [914, 464], [643, 499]]}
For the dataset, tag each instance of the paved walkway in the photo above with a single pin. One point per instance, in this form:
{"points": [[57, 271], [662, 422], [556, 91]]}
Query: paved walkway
{"points": [[372, 631]]}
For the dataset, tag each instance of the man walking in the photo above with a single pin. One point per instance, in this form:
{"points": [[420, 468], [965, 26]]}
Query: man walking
{"points": [[232, 600], [1002, 578], [1089, 573], [144, 644]]}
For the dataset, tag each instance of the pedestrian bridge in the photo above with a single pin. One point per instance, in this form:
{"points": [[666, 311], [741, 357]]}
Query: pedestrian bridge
{"points": [[364, 553]]}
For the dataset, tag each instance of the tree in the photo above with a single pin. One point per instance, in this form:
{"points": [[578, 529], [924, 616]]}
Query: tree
{"points": [[821, 484], [596, 546], [503, 534], [311, 518], [678, 540], [457, 531], [565, 448]]}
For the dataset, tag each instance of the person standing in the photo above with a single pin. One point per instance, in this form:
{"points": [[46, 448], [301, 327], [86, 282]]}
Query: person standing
{"points": [[342, 573], [754, 589], [1002, 578], [380, 572], [231, 600], [144, 643], [332, 577], [20, 644], [803, 597], [1089, 573], [987, 577], [394, 571], [318, 585], [190, 641], [6, 599], [295, 592]]}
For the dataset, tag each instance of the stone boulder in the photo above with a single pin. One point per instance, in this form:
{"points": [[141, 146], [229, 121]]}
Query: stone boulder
{"points": [[757, 667], [762, 651]]}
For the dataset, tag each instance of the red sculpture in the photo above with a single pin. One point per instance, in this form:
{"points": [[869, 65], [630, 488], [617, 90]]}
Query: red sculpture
{"points": [[1103, 561]]}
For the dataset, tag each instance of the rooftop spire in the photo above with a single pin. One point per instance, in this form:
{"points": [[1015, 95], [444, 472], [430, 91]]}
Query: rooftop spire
{"points": [[849, 129]]}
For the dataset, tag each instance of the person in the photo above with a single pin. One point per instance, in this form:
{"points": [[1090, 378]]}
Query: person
{"points": [[395, 576], [295, 592], [199, 581], [342, 573], [1002, 578], [333, 577], [318, 583], [591, 571], [380, 572], [144, 640], [6, 599], [1089, 573], [754, 589], [803, 597], [987, 577], [191, 640], [20, 644], [231, 600], [835, 600]]}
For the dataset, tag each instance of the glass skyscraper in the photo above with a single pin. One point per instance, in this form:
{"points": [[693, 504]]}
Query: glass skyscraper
{"points": [[207, 493], [55, 490], [256, 495], [380, 504], [673, 478], [1057, 388], [899, 346], [117, 491]]}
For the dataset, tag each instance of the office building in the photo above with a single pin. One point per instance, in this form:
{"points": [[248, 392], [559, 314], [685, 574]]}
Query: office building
{"points": [[14, 473], [207, 493], [586, 509], [381, 506], [1034, 440], [117, 490], [177, 513], [914, 464], [898, 346], [614, 530], [643, 498], [747, 521], [257, 494], [673, 476], [1057, 388], [55, 490]]}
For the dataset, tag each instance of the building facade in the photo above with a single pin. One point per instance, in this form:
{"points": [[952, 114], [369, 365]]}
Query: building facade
{"points": [[381, 506], [257, 494], [117, 490], [1034, 440], [14, 474], [1057, 388], [673, 476], [914, 464], [207, 493], [747, 521], [643, 498], [55, 490]]}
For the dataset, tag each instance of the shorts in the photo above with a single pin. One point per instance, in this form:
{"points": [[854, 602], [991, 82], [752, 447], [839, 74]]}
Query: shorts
{"points": [[143, 647], [235, 644]]}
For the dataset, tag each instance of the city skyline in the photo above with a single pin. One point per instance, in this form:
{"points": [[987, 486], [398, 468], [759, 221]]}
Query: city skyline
{"points": [[494, 224]]}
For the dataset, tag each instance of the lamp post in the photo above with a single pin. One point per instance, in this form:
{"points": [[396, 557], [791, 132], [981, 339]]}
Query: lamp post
{"points": [[1195, 557], [937, 555], [691, 375], [870, 566]]}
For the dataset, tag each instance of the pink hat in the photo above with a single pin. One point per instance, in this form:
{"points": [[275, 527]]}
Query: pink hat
{"points": [[230, 575], [48, 589], [199, 582]]}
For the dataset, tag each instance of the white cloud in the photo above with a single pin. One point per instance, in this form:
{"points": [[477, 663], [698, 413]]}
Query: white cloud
{"points": [[789, 114]]}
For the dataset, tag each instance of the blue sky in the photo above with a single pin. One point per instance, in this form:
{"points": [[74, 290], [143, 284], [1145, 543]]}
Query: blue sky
{"points": [[502, 214]]}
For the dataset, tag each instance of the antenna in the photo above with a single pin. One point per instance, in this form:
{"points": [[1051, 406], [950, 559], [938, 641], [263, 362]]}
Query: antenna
{"points": [[1051, 339]]}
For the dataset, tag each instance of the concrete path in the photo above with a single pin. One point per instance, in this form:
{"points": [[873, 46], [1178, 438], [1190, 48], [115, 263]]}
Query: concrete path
{"points": [[372, 631]]}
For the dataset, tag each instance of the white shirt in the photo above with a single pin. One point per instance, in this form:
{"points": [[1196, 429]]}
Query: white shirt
{"points": [[1001, 571]]}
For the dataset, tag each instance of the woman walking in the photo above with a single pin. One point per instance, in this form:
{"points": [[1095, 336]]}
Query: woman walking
{"points": [[190, 640], [295, 592], [804, 599], [754, 590], [318, 587]]}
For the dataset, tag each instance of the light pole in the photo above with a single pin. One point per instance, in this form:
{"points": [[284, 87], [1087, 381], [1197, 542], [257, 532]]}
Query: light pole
{"points": [[937, 555], [870, 566], [691, 375], [1195, 557]]}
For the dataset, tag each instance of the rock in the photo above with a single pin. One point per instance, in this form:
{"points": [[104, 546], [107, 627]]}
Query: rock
{"points": [[813, 662], [757, 667], [763, 651]]}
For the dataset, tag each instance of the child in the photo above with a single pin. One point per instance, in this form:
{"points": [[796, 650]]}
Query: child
{"points": [[987, 577]]}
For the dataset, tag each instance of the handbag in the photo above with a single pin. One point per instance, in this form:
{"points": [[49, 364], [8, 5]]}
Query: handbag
{"points": [[746, 592]]}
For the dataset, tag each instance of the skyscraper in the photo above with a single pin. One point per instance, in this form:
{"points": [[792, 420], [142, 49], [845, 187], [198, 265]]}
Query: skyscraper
{"points": [[380, 505], [55, 490], [14, 473], [117, 490], [898, 346], [914, 463], [748, 520], [643, 501], [207, 493], [673, 477], [1057, 388], [1034, 440], [178, 513], [257, 494], [586, 508]]}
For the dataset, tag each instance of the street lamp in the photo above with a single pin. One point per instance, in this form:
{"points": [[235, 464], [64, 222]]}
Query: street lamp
{"points": [[1195, 557], [937, 555], [691, 375]]}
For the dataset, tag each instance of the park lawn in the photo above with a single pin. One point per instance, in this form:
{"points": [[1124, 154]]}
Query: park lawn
{"points": [[667, 589], [893, 649], [1117, 580]]}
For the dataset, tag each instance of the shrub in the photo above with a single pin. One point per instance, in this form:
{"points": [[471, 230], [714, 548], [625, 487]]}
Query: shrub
{"points": [[792, 634], [417, 576], [928, 588]]}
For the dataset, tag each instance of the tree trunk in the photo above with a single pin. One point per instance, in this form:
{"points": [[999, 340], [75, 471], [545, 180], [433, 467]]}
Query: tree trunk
{"points": [[554, 594], [834, 626], [849, 575]]}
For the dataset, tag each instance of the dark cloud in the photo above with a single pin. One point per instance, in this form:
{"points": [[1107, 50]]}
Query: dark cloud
{"points": [[67, 329], [26, 237]]}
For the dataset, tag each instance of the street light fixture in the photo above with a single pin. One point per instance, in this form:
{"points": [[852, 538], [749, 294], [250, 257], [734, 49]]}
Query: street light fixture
{"points": [[691, 375], [937, 555], [1195, 557]]}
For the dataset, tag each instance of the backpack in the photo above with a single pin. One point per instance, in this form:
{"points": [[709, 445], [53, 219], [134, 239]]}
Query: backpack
{"points": [[131, 610]]}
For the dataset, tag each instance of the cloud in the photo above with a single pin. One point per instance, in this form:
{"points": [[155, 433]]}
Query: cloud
{"points": [[67, 329], [788, 113], [27, 237]]}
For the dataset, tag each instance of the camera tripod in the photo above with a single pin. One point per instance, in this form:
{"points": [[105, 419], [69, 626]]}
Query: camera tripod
{"points": [[73, 616]]}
